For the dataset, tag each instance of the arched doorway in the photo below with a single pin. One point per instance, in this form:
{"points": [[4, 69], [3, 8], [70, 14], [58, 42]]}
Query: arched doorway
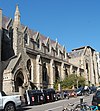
{"points": [[19, 80]]}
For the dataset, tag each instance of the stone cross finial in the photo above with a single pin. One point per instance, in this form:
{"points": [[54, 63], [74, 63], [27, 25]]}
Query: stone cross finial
{"points": [[56, 40]]}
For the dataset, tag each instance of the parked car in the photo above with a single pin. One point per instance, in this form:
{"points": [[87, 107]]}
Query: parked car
{"points": [[9, 102], [58, 96], [98, 88], [34, 97], [79, 91], [62, 95], [96, 99], [49, 95], [82, 91], [93, 89], [72, 94], [65, 94]]}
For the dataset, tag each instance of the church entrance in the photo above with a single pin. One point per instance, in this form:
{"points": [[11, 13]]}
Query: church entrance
{"points": [[19, 80]]}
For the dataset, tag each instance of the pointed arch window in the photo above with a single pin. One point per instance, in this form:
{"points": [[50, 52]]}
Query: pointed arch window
{"points": [[57, 77], [38, 43], [44, 72], [48, 47], [26, 38], [66, 72], [87, 67], [64, 54], [56, 50]]}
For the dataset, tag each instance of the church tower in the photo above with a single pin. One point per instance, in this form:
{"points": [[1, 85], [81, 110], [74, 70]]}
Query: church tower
{"points": [[16, 27]]}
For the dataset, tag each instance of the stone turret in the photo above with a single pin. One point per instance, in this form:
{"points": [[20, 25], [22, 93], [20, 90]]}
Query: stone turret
{"points": [[17, 17], [16, 27], [0, 45]]}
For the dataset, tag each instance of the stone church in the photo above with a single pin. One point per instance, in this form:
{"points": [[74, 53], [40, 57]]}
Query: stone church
{"points": [[28, 59]]}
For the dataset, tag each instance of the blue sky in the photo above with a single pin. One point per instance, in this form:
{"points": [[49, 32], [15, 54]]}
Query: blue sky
{"points": [[74, 23]]}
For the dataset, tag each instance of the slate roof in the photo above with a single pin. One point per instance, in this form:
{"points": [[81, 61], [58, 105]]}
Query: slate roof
{"points": [[13, 62], [5, 21], [83, 48], [79, 51], [33, 33], [76, 53]]}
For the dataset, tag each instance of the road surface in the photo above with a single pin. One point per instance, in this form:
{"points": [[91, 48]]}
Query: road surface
{"points": [[57, 105]]}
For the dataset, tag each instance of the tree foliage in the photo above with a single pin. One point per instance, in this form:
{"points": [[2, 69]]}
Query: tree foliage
{"points": [[73, 80]]}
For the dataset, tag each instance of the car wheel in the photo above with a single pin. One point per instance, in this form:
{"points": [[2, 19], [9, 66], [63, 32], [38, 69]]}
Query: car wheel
{"points": [[10, 107]]}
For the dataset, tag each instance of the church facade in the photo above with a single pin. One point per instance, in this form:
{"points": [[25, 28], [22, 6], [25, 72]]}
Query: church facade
{"points": [[29, 59], [86, 58]]}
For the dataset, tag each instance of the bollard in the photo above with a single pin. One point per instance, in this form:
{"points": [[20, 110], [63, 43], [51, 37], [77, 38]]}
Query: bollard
{"points": [[81, 100]]}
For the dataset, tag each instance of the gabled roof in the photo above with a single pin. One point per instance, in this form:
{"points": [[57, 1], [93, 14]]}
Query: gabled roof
{"points": [[82, 48], [76, 53], [12, 63], [33, 34], [79, 51]]}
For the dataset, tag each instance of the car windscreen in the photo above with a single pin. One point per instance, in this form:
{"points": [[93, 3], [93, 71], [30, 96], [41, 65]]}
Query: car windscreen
{"points": [[79, 89], [3, 93]]}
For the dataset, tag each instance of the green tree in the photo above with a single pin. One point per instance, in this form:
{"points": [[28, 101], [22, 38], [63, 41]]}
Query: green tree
{"points": [[56, 85], [73, 80], [81, 81]]}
